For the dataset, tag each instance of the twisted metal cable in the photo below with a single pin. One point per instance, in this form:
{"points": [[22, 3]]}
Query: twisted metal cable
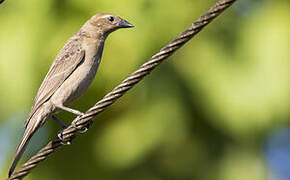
{"points": [[84, 121]]}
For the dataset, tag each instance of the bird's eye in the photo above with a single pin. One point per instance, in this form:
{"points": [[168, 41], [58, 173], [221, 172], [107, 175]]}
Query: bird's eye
{"points": [[111, 18]]}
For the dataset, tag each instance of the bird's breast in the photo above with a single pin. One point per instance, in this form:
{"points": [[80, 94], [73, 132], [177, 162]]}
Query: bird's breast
{"points": [[79, 81], [85, 73]]}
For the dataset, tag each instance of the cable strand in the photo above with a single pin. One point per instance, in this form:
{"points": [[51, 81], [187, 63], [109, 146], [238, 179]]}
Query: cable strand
{"points": [[82, 121]]}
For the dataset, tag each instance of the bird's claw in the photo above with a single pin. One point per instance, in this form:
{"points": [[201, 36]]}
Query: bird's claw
{"points": [[82, 130], [63, 141]]}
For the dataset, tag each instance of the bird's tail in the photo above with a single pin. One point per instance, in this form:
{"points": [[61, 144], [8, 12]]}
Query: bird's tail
{"points": [[32, 126]]}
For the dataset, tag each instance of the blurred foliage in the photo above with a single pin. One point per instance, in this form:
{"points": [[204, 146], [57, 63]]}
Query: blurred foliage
{"points": [[203, 114]]}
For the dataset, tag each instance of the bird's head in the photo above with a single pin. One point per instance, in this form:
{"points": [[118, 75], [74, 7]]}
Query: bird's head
{"points": [[106, 23]]}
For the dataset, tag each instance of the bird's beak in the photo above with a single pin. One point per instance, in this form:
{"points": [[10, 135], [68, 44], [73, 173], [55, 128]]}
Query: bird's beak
{"points": [[125, 24]]}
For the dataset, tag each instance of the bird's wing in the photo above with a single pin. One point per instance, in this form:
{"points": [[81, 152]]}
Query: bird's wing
{"points": [[65, 63]]}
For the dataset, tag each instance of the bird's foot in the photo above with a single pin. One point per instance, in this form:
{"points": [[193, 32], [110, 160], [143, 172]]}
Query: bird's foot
{"points": [[84, 129], [63, 140]]}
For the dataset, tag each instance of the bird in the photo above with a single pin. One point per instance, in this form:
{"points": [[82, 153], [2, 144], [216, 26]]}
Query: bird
{"points": [[69, 76]]}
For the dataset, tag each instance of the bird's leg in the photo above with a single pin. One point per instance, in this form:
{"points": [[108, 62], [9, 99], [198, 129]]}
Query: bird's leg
{"points": [[76, 112], [59, 133], [59, 122]]}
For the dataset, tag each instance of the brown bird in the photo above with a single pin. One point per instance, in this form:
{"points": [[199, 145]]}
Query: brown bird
{"points": [[71, 73]]}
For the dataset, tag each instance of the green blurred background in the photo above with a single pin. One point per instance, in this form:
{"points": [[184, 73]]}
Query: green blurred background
{"points": [[218, 109]]}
